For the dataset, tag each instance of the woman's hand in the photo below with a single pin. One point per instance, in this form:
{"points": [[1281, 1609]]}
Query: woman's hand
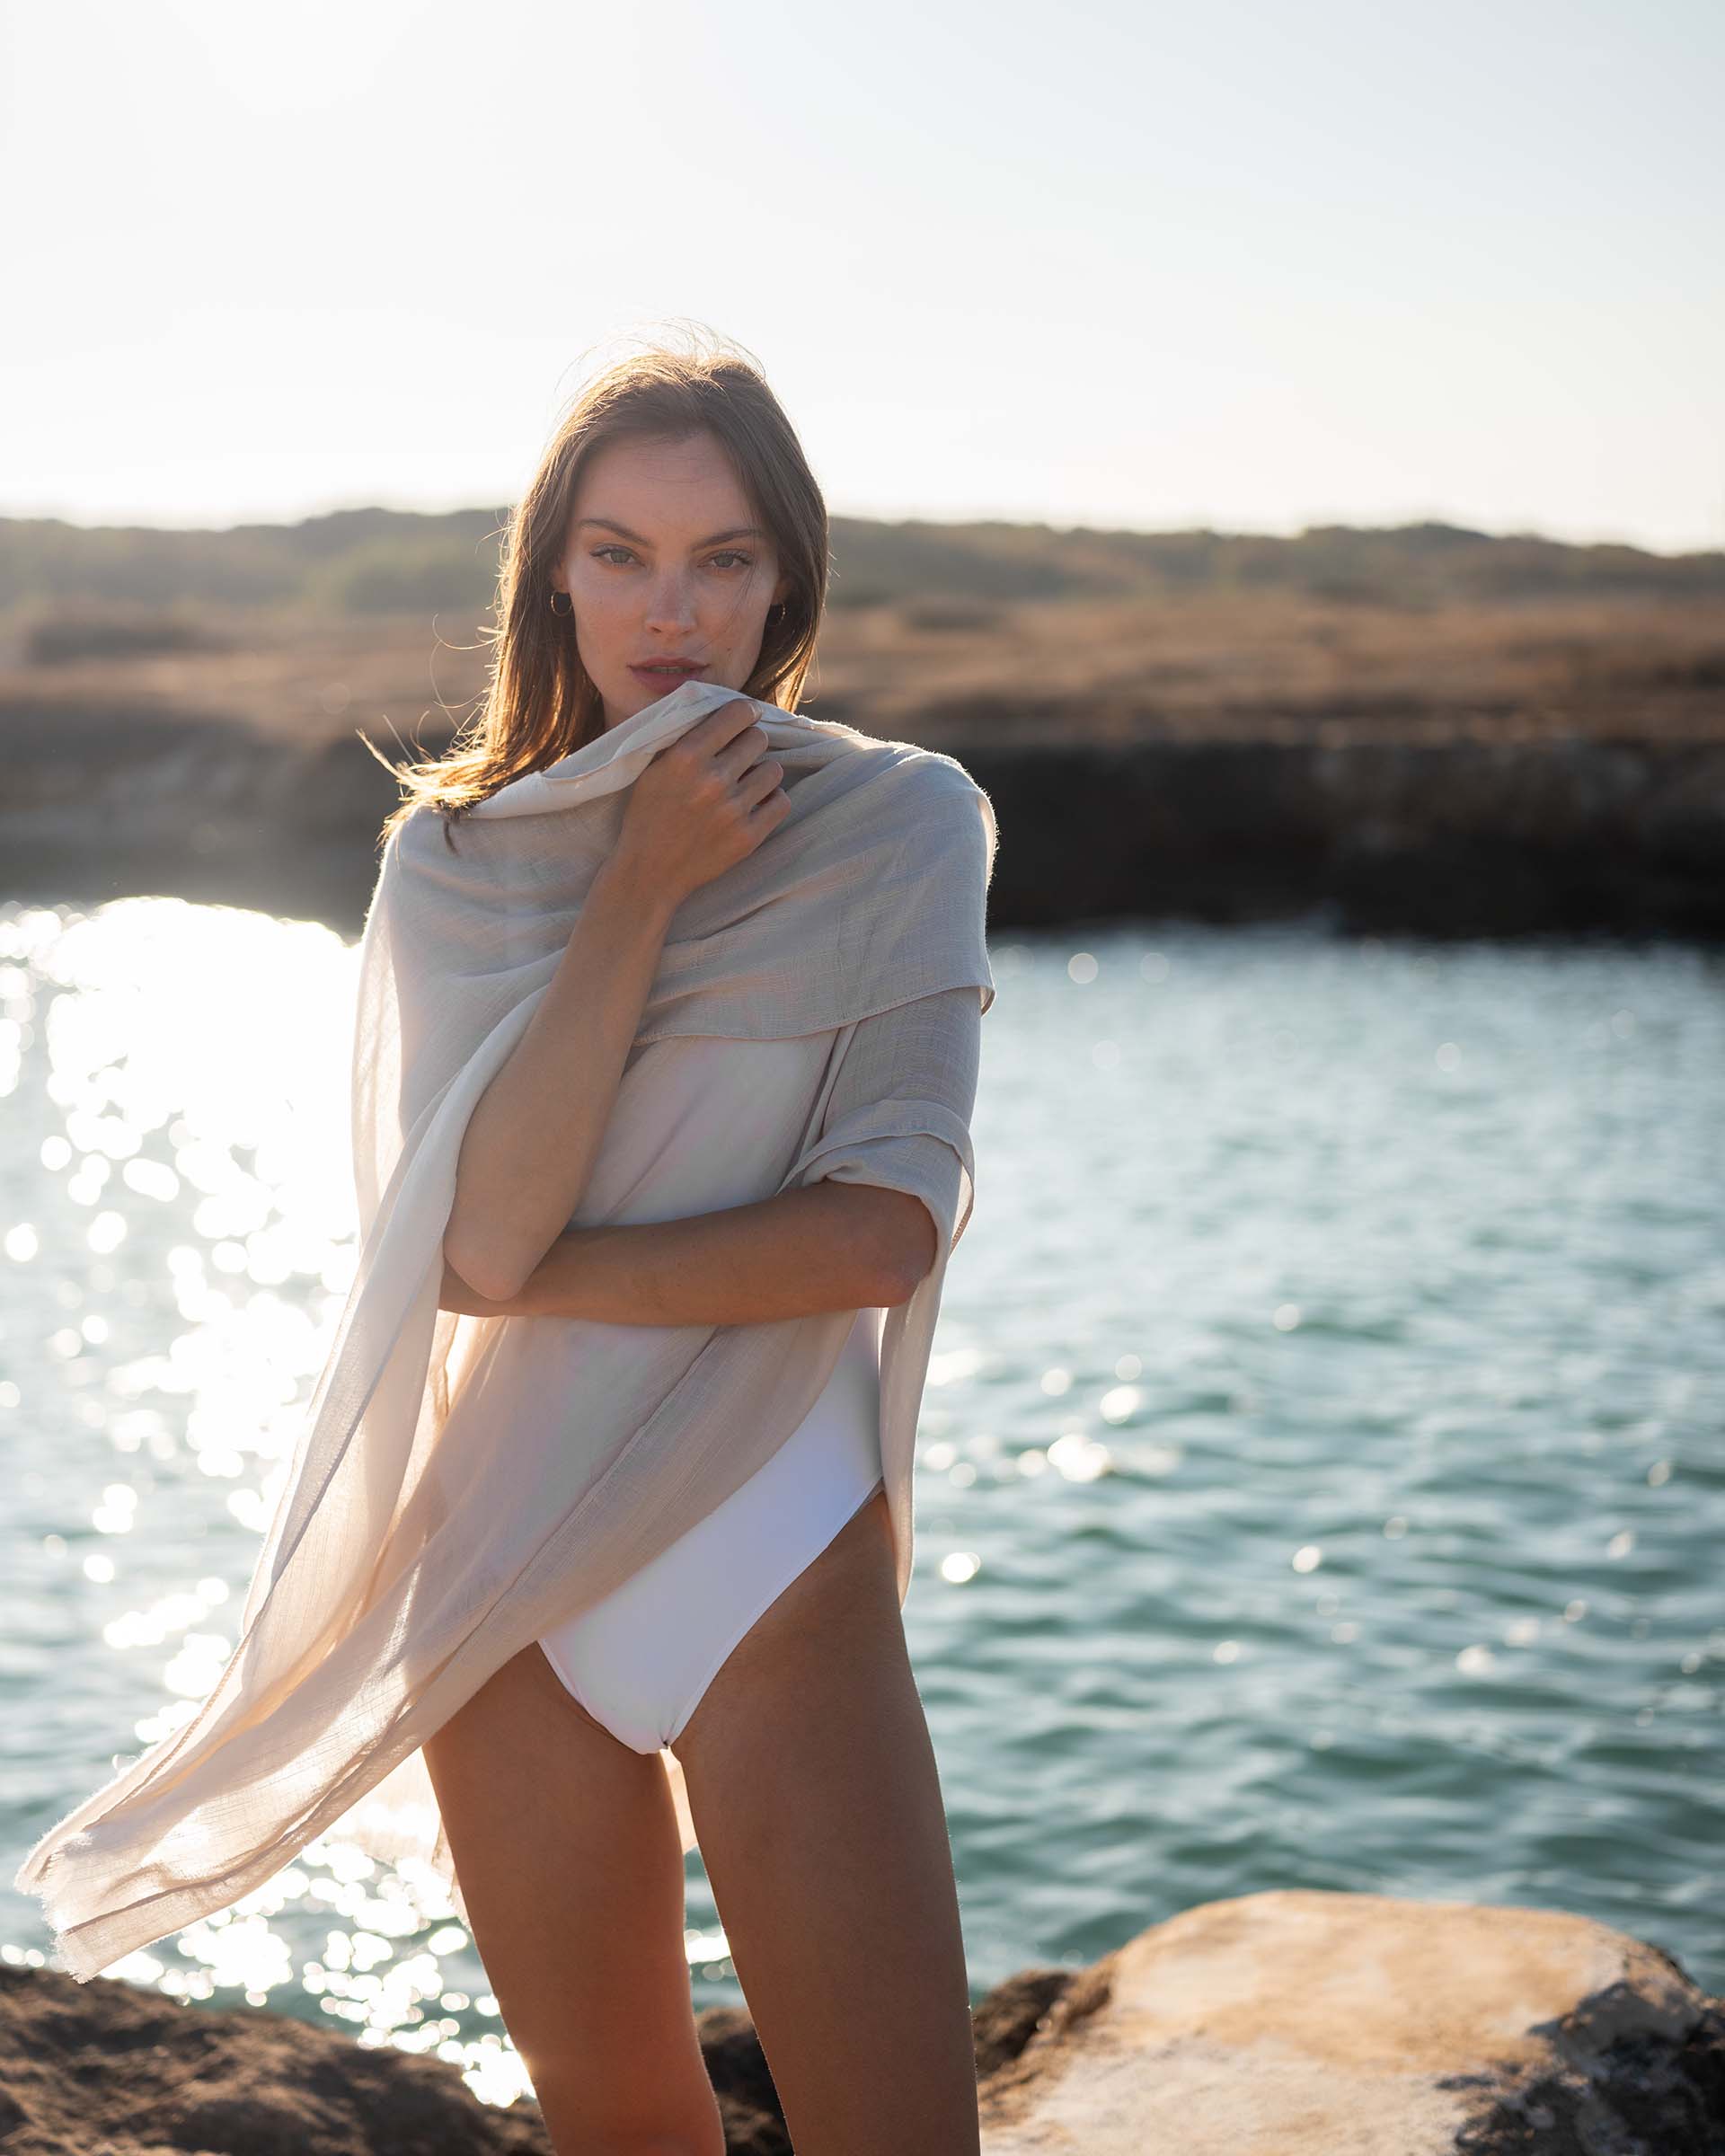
{"points": [[705, 801], [702, 803]]}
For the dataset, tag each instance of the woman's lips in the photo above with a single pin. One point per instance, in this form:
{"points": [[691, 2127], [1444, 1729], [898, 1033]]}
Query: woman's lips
{"points": [[666, 677]]}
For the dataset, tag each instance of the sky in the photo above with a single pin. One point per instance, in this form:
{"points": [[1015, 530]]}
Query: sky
{"points": [[1233, 263]]}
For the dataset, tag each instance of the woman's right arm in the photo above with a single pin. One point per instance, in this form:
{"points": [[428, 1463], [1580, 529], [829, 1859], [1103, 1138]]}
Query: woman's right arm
{"points": [[701, 803]]}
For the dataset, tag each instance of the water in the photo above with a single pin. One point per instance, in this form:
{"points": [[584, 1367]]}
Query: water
{"points": [[1320, 1479]]}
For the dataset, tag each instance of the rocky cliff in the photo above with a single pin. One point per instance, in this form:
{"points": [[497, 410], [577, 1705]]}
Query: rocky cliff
{"points": [[1453, 836]]}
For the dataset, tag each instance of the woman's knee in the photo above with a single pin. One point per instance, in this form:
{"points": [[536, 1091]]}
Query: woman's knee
{"points": [[576, 2129]]}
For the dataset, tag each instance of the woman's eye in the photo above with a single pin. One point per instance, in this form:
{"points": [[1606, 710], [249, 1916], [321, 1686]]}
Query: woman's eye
{"points": [[727, 555]]}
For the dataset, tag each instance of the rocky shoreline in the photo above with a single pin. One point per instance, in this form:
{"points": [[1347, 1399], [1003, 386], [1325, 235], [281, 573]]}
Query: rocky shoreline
{"points": [[1463, 835], [1296, 2022]]}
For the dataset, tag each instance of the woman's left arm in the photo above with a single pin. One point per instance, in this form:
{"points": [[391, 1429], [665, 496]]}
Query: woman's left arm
{"points": [[862, 1219], [833, 1246]]}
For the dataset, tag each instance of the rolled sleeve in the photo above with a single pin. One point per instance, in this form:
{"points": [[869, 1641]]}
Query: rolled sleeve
{"points": [[899, 1110]]}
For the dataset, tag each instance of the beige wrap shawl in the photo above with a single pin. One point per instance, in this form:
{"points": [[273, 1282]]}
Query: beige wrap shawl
{"points": [[413, 1550]]}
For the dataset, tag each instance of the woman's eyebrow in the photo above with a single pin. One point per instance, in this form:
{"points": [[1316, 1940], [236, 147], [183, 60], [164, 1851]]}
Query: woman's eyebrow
{"points": [[742, 531]]}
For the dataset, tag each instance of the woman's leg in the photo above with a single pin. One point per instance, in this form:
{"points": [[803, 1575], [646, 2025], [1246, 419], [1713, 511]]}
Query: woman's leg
{"points": [[813, 1790], [567, 1848]]}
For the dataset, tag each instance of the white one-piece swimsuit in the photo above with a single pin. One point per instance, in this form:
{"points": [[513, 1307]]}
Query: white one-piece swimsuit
{"points": [[640, 1659]]}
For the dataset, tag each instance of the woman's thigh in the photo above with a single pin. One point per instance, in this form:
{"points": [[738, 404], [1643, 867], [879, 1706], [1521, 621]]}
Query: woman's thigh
{"points": [[567, 1848], [814, 1791]]}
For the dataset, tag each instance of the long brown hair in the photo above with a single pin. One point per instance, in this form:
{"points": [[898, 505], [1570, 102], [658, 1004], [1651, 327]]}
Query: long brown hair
{"points": [[540, 703]]}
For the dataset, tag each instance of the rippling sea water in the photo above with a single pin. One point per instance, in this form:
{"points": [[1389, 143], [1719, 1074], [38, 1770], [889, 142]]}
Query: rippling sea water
{"points": [[1321, 1479]]}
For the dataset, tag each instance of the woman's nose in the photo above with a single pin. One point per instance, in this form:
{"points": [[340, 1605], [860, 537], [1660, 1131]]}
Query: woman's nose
{"points": [[670, 603]]}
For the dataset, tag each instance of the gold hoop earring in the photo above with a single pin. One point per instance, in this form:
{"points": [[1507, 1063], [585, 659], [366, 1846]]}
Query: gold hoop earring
{"points": [[566, 609], [776, 613]]}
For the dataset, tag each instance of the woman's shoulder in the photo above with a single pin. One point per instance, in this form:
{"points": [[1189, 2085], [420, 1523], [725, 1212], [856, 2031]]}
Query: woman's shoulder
{"points": [[911, 802], [914, 770], [945, 801]]}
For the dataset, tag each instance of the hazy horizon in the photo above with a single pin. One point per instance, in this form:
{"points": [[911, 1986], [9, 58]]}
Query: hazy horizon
{"points": [[456, 509], [1136, 268]]}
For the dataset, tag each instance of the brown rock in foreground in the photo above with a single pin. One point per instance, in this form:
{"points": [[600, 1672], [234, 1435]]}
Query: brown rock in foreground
{"points": [[1299, 2023], [1282, 2024], [110, 2069]]}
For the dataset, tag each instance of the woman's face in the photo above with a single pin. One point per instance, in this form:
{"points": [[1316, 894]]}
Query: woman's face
{"points": [[662, 561]]}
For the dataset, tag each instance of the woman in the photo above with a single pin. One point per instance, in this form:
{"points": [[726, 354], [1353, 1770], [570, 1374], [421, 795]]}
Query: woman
{"points": [[594, 1543], [809, 1774]]}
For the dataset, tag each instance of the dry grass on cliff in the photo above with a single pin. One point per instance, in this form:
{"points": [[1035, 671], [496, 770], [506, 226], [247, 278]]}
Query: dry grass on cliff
{"points": [[1204, 664]]}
